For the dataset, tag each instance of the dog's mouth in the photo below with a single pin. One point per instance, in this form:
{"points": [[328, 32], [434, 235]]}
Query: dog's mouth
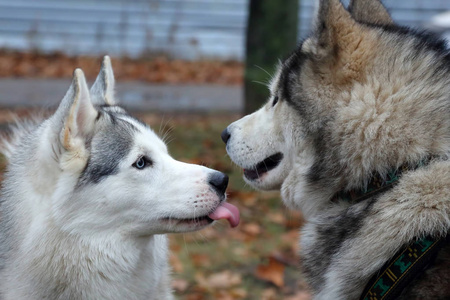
{"points": [[198, 221], [225, 211], [264, 166]]}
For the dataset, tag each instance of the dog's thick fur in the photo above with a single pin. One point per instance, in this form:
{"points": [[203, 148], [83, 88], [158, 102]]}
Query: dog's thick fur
{"points": [[87, 197], [360, 96]]}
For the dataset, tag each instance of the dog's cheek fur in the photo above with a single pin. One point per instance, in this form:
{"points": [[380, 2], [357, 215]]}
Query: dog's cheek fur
{"points": [[380, 123], [297, 191]]}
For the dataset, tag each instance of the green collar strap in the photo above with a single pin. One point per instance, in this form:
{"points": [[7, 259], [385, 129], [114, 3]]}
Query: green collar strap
{"points": [[410, 261], [407, 264]]}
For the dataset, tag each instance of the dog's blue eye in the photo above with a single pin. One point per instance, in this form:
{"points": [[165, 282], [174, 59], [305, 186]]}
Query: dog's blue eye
{"points": [[141, 163], [275, 101]]}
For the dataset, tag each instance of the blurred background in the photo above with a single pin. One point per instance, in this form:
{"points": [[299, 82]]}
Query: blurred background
{"points": [[188, 68]]}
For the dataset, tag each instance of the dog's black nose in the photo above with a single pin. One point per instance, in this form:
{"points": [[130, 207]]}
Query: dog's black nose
{"points": [[225, 135], [219, 182]]}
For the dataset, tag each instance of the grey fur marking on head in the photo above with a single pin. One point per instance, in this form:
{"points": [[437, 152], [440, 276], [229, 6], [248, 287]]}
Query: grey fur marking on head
{"points": [[105, 152]]}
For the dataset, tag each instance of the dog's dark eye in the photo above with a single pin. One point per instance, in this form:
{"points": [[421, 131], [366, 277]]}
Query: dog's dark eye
{"points": [[275, 101], [141, 163]]}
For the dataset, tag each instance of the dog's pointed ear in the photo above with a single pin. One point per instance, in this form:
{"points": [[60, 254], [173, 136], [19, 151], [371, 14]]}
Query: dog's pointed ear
{"points": [[334, 29], [102, 91], [340, 46], [75, 116], [370, 11]]}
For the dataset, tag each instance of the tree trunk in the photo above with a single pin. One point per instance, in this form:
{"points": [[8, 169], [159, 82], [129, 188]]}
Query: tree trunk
{"points": [[271, 35]]}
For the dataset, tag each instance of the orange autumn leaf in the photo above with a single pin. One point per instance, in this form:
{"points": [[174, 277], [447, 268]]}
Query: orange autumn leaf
{"points": [[301, 295], [180, 285], [251, 229], [272, 272], [221, 280], [176, 263]]}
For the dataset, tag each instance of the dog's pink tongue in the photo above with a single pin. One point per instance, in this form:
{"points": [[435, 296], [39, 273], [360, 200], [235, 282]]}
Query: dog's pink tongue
{"points": [[226, 211]]}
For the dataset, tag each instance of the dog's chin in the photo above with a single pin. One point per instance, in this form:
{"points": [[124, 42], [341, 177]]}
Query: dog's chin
{"points": [[178, 225], [267, 174]]}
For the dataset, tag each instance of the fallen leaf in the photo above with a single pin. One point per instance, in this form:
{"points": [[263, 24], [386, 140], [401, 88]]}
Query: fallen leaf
{"points": [[277, 217], [252, 229], [239, 293], [222, 280], [287, 258], [201, 260], [195, 296], [302, 295], [269, 294], [176, 263], [179, 285], [272, 272]]}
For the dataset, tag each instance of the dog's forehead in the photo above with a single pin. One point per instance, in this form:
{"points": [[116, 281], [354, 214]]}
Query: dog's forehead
{"points": [[120, 124], [113, 143]]}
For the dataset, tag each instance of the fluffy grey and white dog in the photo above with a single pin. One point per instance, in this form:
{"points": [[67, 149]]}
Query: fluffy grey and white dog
{"points": [[359, 100], [87, 198]]}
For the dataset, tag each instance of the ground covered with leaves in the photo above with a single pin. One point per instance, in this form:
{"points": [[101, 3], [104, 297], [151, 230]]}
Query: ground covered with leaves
{"points": [[156, 69], [258, 259]]}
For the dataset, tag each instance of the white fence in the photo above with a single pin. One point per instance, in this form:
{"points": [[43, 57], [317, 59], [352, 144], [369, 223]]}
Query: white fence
{"points": [[189, 29]]}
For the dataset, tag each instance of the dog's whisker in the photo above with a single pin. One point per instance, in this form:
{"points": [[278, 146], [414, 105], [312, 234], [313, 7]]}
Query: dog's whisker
{"points": [[265, 71], [260, 82], [185, 244]]}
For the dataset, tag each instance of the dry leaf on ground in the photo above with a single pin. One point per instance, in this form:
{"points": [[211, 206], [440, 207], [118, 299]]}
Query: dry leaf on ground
{"points": [[222, 280], [272, 272]]}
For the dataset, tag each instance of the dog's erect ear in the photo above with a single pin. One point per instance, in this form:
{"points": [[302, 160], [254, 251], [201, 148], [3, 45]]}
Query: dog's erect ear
{"points": [[335, 29], [75, 116], [102, 92], [370, 11], [340, 45]]}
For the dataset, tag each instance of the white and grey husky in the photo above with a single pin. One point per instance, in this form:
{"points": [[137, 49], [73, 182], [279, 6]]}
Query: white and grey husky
{"points": [[356, 134], [87, 198]]}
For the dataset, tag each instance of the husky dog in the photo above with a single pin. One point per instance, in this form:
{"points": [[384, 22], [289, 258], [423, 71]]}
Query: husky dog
{"points": [[87, 198], [360, 99]]}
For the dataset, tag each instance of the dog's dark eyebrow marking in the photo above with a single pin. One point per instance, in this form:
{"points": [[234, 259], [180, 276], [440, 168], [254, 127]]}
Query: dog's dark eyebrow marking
{"points": [[290, 72], [289, 82], [108, 148]]}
